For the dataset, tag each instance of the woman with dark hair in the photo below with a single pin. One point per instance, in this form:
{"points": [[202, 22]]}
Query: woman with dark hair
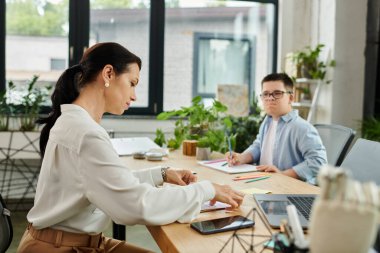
{"points": [[83, 183]]}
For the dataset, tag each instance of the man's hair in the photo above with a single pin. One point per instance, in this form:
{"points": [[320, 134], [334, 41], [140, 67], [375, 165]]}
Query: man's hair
{"points": [[288, 82]]}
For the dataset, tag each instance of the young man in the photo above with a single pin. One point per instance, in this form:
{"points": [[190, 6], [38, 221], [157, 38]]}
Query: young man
{"points": [[286, 143]]}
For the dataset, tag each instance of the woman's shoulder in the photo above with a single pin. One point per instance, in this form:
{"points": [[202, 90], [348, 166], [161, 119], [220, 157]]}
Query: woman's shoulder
{"points": [[73, 130]]}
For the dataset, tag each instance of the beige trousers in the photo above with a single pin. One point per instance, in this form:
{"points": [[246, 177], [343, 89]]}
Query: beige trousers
{"points": [[57, 241]]}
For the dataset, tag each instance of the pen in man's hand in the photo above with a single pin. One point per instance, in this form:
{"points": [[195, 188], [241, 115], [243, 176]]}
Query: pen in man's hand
{"points": [[229, 146]]}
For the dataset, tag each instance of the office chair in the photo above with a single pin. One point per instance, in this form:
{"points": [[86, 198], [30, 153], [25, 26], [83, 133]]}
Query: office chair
{"points": [[337, 140], [6, 231], [363, 161]]}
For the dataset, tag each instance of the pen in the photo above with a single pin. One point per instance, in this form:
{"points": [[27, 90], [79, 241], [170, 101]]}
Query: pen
{"points": [[257, 179], [229, 146], [224, 164]]}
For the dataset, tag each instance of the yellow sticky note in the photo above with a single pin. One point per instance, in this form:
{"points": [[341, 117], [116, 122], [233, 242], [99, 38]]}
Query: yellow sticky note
{"points": [[255, 191]]}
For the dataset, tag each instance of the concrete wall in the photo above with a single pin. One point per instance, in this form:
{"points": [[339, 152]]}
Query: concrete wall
{"points": [[341, 26]]}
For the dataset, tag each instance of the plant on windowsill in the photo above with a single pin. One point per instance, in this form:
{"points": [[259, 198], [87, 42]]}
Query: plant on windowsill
{"points": [[30, 104], [5, 108], [309, 65], [197, 122]]}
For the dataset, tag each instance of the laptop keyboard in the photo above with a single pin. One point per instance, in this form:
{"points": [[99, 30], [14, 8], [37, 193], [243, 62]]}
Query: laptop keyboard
{"points": [[303, 205]]}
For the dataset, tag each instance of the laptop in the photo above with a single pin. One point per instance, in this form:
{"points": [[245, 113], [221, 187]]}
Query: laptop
{"points": [[274, 207]]}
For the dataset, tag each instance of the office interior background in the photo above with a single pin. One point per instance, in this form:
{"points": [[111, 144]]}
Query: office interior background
{"points": [[190, 46]]}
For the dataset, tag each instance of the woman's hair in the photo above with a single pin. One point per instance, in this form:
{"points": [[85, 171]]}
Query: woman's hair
{"points": [[76, 77]]}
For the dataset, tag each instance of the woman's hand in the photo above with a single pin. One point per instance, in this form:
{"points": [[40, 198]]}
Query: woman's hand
{"points": [[180, 177], [225, 194], [268, 168]]}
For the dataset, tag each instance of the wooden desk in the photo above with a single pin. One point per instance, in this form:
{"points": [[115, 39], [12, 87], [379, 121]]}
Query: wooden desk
{"points": [[178, 237]]}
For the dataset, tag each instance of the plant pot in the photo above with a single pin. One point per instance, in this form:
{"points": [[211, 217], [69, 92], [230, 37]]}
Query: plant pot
{"points": [[4, 122], [28, 122], [203, 153]]}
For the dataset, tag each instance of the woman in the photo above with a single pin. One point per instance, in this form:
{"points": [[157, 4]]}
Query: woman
{"points": [[83, 183]]}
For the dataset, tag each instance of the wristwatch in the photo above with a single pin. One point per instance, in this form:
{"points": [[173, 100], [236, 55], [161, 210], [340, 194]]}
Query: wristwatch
{"points": [[163, 172]]}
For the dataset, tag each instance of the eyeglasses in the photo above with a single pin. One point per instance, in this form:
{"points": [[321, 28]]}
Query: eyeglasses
{"points": [[277, 94]]}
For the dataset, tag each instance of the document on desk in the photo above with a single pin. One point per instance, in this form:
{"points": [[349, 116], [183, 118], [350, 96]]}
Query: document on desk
{"points": [[206, 207], [222, 166], [128, 146]]}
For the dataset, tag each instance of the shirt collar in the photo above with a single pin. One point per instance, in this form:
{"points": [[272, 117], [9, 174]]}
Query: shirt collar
{"points": [[289, 116]]}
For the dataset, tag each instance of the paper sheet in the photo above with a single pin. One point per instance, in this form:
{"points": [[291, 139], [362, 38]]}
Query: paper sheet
{"points": [[255, 191], [219, 165], [206, 207]]}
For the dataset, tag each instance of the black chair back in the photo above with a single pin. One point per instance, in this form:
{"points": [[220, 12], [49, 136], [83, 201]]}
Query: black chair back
{"points": [[6, 231]]}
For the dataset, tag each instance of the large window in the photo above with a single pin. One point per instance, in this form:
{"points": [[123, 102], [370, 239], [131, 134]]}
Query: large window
{"points": [[36, 41], [221, 60], [127, 23], [187, 47], [210, 42]]}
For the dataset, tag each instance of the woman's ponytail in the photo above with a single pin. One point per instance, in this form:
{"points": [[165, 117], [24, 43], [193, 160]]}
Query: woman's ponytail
{"points": [[65, 92]]}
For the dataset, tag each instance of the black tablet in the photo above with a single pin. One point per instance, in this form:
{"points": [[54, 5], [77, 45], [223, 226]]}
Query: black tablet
{"points": [[222, 224]]}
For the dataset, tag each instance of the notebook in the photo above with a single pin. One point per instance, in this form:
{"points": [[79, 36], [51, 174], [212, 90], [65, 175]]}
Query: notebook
{"points": [[274, 207], [128, 146], [221, 166]]}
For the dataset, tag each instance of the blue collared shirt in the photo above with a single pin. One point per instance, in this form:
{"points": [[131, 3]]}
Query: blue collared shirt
{"points": [[297, 145]]}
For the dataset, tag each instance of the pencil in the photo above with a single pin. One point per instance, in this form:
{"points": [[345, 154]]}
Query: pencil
{"points": [[215, 161], [245, 178], [257, 179]]}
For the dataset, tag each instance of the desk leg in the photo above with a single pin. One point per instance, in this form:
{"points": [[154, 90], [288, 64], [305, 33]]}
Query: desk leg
{"points": [[118, 231]]}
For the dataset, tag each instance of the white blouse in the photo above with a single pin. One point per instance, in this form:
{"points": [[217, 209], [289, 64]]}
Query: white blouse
{"points": [[83, 183]]}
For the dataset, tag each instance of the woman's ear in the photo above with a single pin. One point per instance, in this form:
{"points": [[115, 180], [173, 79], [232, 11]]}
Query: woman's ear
{"points": [[107, 73]]}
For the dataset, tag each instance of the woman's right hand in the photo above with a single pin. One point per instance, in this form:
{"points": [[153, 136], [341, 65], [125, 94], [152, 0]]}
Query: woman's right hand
{"points": [[225, 194]]}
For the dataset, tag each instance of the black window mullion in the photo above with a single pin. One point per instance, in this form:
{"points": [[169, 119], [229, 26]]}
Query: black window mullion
{"points": [[156, 56], [2, 45], [79, 29]]}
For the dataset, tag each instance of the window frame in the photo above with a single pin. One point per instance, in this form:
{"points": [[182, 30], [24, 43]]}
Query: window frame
{"points": [[79, 32], [222, 36]]}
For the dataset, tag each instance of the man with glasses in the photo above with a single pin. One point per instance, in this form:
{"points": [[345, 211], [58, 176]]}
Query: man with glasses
{"points": [[286, 143]]}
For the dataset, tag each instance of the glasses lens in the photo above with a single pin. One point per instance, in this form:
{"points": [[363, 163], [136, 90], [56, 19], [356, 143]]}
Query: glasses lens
{"points": [[278, 94], [264, 95]]}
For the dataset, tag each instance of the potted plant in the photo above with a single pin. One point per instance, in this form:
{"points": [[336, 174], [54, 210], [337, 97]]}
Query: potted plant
{"points": [[371, 129], [6, 109], [309, 65], [197, 122], [30, 104]]}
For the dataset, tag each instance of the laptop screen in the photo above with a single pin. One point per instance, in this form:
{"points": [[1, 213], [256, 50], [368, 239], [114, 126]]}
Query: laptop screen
{"points": [[274, 207]]}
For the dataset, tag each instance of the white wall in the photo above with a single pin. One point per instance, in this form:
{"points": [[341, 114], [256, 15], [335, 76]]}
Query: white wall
{"points": [[341, 26]]}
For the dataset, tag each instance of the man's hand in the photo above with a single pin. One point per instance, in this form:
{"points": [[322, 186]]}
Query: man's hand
{"points": [[237, 159], [180, 177], [268, 168]]}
